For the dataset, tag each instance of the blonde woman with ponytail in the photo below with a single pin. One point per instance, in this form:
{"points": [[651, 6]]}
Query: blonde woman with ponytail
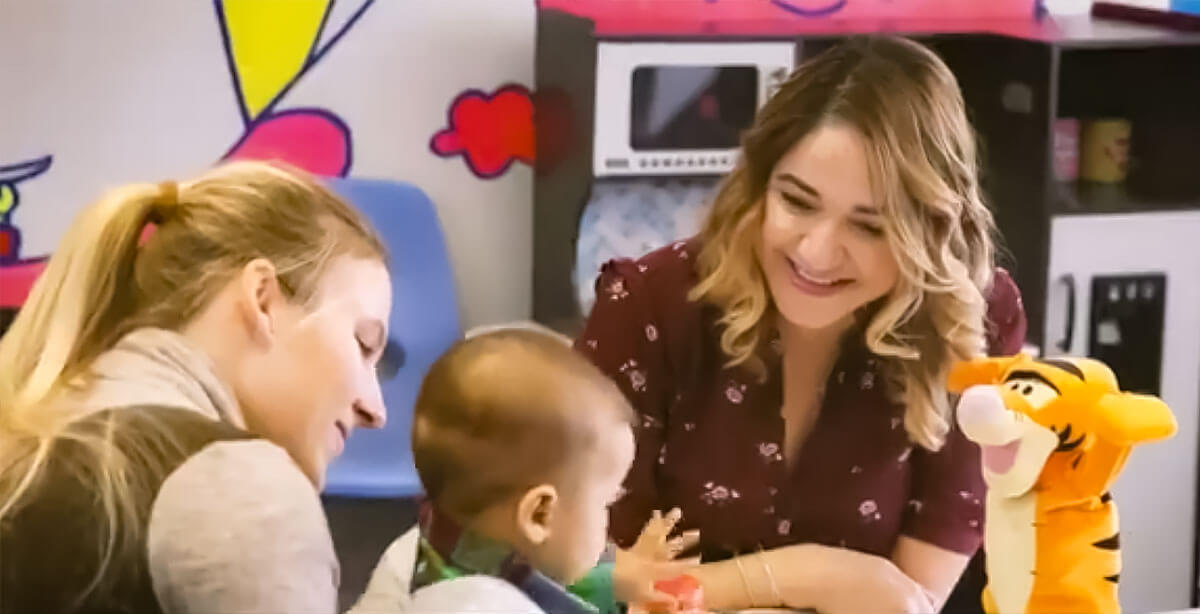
{"points": [[192, 358], [789, 363]]}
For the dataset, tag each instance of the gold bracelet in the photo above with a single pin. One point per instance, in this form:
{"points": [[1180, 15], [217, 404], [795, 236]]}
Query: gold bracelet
{"points": [[745, 581], [762, 558]]}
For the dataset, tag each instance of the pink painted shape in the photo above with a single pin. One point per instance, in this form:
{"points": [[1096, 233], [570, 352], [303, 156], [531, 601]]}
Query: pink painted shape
{"points": [[312, 139], [16, 280]]}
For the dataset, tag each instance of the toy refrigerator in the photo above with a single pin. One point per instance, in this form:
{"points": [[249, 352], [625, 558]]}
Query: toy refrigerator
{"points": [[1125, 288]]}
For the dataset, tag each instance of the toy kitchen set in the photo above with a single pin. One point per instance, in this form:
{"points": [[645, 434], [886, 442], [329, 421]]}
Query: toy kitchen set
{"points": [[639, 107]]}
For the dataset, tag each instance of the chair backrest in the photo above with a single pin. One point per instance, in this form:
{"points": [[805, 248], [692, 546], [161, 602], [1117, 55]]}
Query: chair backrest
{"points": [[424, 323]]}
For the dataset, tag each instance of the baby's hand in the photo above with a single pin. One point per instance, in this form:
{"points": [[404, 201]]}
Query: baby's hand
{"points": [[652, 558], [655, 542]]}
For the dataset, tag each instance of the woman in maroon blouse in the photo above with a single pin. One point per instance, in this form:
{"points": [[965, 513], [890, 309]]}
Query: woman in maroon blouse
{"points": [[788, 365]]}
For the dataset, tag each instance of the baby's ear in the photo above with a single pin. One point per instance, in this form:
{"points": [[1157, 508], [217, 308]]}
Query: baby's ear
{"points": [[980, 372], [535, 513]]}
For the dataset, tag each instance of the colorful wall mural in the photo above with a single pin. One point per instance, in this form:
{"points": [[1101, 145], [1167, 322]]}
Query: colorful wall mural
{"points": [[270, 45], [11, 176], [16, 274], [142, 90]]}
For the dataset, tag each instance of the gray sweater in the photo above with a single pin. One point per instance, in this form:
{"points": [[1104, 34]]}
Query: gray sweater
{"points": [[237, 527]]}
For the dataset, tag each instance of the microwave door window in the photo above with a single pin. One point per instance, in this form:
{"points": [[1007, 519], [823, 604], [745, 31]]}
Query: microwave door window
{"points": [[691, 107]]}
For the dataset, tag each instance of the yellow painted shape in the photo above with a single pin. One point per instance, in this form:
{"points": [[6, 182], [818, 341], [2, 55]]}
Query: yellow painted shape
{"points": [[7, 198], [270, 41]]}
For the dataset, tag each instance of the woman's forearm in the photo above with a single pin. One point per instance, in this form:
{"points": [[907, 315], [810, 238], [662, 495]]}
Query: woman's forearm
{"points": [[933, 567], [774, 578]]}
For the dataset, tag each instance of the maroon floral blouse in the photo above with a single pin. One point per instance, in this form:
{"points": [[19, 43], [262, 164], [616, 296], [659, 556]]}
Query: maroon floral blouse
{"points": [[709, 437]]}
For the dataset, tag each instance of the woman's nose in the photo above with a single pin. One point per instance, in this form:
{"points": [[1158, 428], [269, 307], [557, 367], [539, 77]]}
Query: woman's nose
{"points": [[371, 411], [820, 248]]}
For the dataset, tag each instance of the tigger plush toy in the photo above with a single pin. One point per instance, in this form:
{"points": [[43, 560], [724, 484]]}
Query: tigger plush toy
{"points": [[1054, 435]]}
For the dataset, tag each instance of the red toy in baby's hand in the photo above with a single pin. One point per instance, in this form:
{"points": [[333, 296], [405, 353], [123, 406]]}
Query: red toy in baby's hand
{"points": [[686, 590]]}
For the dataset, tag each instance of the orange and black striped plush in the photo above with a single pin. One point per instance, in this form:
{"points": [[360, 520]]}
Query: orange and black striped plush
{"points": [[1054, 434]]}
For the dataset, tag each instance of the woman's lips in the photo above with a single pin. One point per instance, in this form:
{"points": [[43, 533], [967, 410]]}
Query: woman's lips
{"points": [[813, 284], [337, 438]]}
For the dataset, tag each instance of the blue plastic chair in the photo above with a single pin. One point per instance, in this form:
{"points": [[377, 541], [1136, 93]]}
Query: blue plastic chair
{"points": [[424, 323]]}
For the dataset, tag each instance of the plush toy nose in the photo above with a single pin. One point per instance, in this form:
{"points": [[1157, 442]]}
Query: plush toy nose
{"points": [[983, 417]]}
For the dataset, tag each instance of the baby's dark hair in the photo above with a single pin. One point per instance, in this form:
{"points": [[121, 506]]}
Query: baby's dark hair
{"points": [[504, 411]]}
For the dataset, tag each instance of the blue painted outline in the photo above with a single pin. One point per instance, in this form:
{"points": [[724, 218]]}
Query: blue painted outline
{"points": [[15, 258], [337, 37], [450, 127], [227, 44], [25, 170], [312, 49], [810, 13], [327, 114]]}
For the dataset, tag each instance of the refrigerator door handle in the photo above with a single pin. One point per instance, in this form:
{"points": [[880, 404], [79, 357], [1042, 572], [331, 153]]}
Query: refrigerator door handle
{"points": [[1064, 344]]}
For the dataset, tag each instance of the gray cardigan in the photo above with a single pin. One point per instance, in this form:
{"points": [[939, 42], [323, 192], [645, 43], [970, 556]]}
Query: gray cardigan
{"points": [[237, 527]]}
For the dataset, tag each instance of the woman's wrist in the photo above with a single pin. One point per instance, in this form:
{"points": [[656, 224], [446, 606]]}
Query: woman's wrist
{"points": [[789, 576], [723, 589], [800, 574], [776, 597]]}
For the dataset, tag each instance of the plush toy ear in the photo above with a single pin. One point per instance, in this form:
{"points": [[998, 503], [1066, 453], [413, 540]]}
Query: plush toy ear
{"points": [[980, 371], [1124, 418]]}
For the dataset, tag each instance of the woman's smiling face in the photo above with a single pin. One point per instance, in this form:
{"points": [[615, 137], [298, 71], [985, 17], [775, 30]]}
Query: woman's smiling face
{"points": [[823, 245]]}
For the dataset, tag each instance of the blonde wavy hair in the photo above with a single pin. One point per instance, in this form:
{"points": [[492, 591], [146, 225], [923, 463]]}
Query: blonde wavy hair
{"points": [[924, 169], [107, 278]]}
